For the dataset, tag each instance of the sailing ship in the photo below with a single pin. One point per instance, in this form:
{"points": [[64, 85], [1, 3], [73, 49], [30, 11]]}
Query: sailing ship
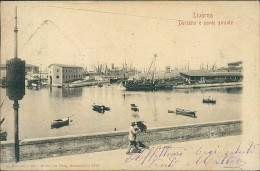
{"points": [[147, 84]]}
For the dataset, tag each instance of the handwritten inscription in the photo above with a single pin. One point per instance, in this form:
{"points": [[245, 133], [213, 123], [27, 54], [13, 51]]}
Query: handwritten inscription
{"points": [[201, 22], [166, 156], [170, 156]]}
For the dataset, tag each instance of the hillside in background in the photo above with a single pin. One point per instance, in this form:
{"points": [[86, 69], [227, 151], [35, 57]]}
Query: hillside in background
{"points": [[49, 45]]}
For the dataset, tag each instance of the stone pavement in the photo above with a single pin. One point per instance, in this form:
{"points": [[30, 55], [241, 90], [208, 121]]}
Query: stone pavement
{"points": [[224, 153]]}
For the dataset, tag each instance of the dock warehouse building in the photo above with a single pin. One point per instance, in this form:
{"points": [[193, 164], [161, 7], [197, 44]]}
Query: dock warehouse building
{"points": [[202, 75], [60, 73]]}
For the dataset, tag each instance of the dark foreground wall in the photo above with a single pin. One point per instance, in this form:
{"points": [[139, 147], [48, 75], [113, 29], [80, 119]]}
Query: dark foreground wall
{"points": [[76, 144]]}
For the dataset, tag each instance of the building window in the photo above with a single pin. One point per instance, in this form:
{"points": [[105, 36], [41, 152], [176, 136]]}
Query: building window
{"points": [[50, 72], [47, 76], [63, 77], [58, 70], [57, 76]]}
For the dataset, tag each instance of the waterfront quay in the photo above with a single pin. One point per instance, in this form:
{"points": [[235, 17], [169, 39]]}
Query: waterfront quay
{"points": [[88, 143], [187, 155]]}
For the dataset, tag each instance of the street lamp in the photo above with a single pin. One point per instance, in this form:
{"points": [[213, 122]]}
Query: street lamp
{"points": [[15, 84]]}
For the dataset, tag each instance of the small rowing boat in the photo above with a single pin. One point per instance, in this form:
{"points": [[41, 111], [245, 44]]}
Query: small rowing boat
{"points": [[3, 135], [179, 111], [60, 122], [185, 112], [133, 105], [209, 101], [134, 108], [100, 108]]}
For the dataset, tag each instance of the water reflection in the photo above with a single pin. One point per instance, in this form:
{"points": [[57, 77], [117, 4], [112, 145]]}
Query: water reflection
{"points": [[135, 115], [234, 90], [71, 92], [155, 107]]}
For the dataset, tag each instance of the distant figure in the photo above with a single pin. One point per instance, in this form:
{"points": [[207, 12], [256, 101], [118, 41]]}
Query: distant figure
{"points": [[132, 138]]}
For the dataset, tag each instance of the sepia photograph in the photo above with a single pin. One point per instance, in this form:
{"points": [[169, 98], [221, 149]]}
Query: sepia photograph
{"points": [[129, 85]]}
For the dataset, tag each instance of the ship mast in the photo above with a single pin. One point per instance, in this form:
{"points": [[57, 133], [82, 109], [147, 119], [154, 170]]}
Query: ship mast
{"points": [[153, 62], [154, 71]]}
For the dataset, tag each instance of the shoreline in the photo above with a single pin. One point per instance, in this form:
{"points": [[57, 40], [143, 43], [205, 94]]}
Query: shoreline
{"points": [[208, 85]]}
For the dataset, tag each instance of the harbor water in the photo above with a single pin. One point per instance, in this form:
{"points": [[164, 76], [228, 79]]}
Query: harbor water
{"points": [[39, 107]]}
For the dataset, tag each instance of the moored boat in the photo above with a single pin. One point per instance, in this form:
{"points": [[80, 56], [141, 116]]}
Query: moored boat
{"points": [[185, 112], [135, 109], [60, 123], [3, 135], [209, 101], [100, 108], [133, 105]]}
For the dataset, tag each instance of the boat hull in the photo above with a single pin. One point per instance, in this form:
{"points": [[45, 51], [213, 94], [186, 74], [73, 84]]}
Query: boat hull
{"points": [[3, 136], [60, 123], [100, 108], [147, 87], [208, 101], [135, 109], [186, 113]]}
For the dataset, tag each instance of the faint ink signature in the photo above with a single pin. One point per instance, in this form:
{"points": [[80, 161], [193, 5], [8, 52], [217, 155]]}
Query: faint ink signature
{"points": [[169, 156]]}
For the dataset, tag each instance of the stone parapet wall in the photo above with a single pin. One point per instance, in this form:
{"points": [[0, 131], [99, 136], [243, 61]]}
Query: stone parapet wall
{"points": [[77, 144]]}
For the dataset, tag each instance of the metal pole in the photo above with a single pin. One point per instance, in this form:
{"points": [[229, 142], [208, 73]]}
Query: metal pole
{"points": [[16, 131], [16, 36]]}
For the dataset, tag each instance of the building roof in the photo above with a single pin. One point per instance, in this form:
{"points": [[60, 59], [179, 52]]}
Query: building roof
{"points": [[235, 63], [26, 65], [66, 66], [207, 73], [231, 68]]}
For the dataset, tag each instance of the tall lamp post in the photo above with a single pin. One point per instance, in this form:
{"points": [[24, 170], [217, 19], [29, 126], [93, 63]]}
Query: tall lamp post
{"points": [[15, 84]]}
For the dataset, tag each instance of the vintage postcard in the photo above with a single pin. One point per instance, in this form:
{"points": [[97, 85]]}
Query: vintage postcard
{"points": [[130, 85]]}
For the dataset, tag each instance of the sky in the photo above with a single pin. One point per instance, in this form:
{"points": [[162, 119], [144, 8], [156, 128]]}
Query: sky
{"points": [[88, 33]]}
